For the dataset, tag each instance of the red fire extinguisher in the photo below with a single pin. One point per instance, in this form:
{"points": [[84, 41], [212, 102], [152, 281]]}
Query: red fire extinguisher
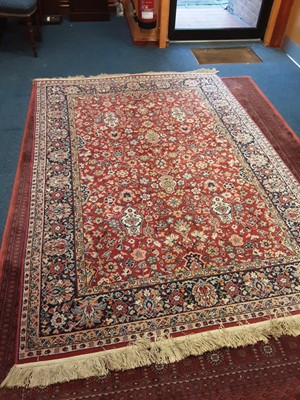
{"points": [[146, 15]]}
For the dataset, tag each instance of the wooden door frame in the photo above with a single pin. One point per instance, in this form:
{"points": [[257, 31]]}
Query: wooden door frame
{"points": [[278, 22]]}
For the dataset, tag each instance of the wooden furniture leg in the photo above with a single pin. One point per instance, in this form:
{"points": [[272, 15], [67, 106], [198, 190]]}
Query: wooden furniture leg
{"points": [[38, 26], [31, 35]]}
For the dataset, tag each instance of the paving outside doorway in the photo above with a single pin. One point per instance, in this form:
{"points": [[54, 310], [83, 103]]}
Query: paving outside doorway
{"points": [[201, 3], [216, 14]]}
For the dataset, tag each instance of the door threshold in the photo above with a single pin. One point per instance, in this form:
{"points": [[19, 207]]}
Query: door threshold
{"points": [[217, 41]]}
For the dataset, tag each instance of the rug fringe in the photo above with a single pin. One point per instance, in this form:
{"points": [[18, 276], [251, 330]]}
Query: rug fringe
{"points": [[209, 71], [144, 352]]}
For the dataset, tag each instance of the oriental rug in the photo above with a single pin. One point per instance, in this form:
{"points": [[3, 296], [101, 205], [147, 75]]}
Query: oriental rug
{"points": [[161, 224]]}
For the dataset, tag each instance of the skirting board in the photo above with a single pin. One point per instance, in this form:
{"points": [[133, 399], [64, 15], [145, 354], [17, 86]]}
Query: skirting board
{"points": [[292, 49]]}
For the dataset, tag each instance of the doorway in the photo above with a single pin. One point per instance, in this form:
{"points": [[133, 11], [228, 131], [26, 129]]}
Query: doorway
{"points": [[218, 19]]}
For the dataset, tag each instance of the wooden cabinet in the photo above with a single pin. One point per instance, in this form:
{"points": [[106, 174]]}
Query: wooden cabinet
{"points": [[54, 7], [89, 10], [77, 10]]}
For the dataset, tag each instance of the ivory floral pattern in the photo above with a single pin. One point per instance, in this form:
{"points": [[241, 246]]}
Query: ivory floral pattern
{"points": [[166, 211]]}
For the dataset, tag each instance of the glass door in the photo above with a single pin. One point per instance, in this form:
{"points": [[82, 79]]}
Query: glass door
{"points": [[218, 19]]}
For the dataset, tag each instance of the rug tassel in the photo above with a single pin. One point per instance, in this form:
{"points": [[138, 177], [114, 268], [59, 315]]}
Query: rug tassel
{"points": [[206, 71], [144, 352]]}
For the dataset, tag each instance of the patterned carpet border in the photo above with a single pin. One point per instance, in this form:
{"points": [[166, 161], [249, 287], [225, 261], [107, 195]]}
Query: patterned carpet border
{"points": [[286, 145]]}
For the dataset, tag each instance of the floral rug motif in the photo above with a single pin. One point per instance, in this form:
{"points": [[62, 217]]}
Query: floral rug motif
{"points": [[158, 209]]}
